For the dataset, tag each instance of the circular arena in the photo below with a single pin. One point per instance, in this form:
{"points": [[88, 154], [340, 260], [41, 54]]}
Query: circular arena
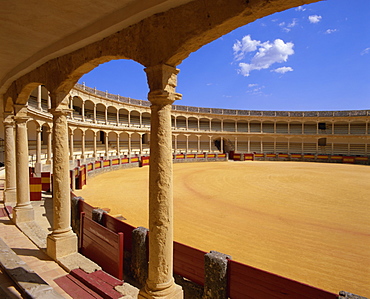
{"points": [[304, 221]]}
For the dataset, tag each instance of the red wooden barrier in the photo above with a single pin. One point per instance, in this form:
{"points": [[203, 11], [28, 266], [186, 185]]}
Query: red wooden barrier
{"points": [[249, 282], [271, 155], [349, 159], [35, 189], [45, 181], [201, 155], [85, 208], [295, 156], [188, 262], [337, 158], [82, 176], [322, 157], [361, 159], [115, 161], [117, 226], [259, 155], [248, 157], [211, 155], [180, 156], [237, 157], [283, 156], [221, 155], [144, 161], [102, 246], [309, 156], [124, 160], [190, 156], [106, 163], [97, 165], [134, 159], [90, 167]]}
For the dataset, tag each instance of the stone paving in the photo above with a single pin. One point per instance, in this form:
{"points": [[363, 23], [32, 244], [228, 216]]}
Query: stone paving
{"points": [[35, 258]]}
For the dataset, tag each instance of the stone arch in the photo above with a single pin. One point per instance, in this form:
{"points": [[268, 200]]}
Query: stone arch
{"points": [[112, 115], [100, 113], [89, 110]]}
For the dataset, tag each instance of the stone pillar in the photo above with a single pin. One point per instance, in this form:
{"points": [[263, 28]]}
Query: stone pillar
{"points": [[236, 144], [10, 193], [210, 144], [106, 136], [129, 145], [118, 149], [215, 282], [39, 97], [23, 211], [62, 241], [141, 144], [49, 135], [187, 143], [94, 145], [222, 145], [160, 282], [175, 147], [106, 116], [94, 114], [198, 145], [70, 145], [83, 135], [38, 151]]}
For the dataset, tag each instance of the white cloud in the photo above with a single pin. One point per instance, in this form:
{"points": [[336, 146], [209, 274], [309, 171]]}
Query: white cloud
{"points": [[330, 31], [300, 8], [283, 70], [244, 46], [252, 85], [267, 54], [366, 51], [314, 19]]}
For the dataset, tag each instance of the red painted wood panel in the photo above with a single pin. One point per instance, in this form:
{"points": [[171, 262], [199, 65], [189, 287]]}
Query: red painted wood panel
{"points": [[188, 262], [75, 288], [102, 246], [117, 226], [248, 282], [99, 286]]}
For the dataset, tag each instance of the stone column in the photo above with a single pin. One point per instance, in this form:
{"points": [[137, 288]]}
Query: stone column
{"points": [[95, 154], [198, 146], [187, 143], [160, 282], [10, 193], [118, 149], [83, 110], [236, 144], [210, 143], [106, 115], [70, 145], [62, 241], [106, 136], [175, 147], [129, 145], [38, 151], [83, 135], [141, 144], [23, 211], [49, 135], [222, 145], [39, 97], [94, 114]]}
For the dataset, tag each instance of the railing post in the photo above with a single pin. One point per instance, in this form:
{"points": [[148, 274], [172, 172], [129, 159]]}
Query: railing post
{"points": [[215, 277], [139, 259]]}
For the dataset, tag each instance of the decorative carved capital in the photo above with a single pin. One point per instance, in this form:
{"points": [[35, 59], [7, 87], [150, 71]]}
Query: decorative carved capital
{"points": [[8, 119], [162, 80], [60, 111]]}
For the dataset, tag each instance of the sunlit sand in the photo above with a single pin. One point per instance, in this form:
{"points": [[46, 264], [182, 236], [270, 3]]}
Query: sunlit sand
{"points": [[306, 221]]}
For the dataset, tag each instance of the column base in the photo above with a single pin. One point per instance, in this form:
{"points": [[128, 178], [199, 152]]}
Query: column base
{"points": [[10, 197], [173, 292], [60, 245], [23, 214]]}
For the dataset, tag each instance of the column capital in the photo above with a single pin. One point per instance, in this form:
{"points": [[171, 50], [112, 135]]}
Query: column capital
{"points": [[8, 119], [162, 80], [60, 111]]}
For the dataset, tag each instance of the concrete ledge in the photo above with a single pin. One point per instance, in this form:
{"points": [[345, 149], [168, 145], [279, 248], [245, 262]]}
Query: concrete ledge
{"points": [[32, 285], [35, 233]]}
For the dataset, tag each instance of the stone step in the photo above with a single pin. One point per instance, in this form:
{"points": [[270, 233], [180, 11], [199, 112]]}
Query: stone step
{"points": [[28, 282], [98, 284]]}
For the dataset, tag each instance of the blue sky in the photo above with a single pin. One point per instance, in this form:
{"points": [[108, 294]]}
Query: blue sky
{"points": [[314, 57]]}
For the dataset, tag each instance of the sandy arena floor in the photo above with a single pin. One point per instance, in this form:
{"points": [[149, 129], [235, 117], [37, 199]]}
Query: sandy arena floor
{"points": [[306, 221]]}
